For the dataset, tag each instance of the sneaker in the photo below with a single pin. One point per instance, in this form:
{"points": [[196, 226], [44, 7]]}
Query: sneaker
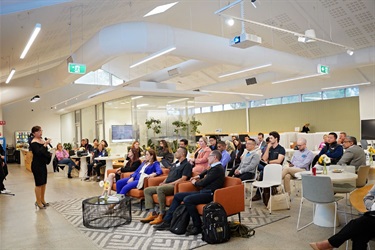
{"points": [[5, 191]]}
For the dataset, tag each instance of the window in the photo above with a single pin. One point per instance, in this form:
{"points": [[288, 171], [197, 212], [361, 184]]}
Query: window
{"points": [[257, 103], [312, 97], [291, 99], [332, 94], [197, 110], [228, 106], [116, 81], [273, 101], [206, 109], [217, 108], [352, 92]]}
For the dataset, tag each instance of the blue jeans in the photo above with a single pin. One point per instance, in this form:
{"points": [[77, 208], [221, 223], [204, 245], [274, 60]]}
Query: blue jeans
{"points": [[68, 162], [191, 200]]}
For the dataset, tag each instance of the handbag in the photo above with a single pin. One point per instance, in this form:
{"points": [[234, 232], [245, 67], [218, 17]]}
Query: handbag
{"points": [[239, 230], [279, 202]]}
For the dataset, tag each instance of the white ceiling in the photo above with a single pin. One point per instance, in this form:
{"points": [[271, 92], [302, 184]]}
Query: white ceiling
{"points": [[201, 37]]}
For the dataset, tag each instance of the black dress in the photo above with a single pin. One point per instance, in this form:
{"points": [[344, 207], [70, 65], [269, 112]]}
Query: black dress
{"points": [[41, 157]]}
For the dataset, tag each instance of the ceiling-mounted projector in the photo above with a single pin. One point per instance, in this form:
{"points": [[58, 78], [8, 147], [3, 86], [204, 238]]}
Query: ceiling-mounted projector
{"points": [[245, 40]]}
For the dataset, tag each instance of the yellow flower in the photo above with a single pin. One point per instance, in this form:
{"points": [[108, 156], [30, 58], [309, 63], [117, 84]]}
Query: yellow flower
{"points": [[371, 150]]}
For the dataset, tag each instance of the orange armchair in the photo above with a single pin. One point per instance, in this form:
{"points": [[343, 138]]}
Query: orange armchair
{"points": [[231, 196], [138, 193]]}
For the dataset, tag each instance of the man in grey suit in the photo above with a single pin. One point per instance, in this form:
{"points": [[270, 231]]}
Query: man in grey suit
{"points": [[249, 162], [354, 154]]}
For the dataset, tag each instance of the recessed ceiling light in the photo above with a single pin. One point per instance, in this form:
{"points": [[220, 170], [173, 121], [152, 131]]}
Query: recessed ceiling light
{"points": [[160, 9], [35, 98]]}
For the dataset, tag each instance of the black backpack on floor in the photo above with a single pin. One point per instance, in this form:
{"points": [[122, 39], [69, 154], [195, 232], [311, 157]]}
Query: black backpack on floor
{"points": [[215, 225], [180, 220]]}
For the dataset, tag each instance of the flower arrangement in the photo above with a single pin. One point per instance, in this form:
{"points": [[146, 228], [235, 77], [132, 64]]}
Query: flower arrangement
{"points": [[105, 186], [371, 151], [108, 149], [324, 160], [81, 149]]}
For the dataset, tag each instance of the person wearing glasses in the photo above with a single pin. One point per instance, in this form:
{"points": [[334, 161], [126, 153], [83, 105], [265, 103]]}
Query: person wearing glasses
{"points": [[354, 154], [301, 161], [209, 180]]}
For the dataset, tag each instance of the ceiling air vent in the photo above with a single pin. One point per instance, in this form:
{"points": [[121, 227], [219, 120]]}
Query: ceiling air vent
{"points": [[174, 72]]}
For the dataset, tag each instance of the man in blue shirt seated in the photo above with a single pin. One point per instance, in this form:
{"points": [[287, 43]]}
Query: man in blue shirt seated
{"points": [[225, 157], [301, 161], [332, 149]]}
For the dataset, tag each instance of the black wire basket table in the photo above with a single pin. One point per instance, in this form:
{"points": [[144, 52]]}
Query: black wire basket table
{"points": [[105, 213]]}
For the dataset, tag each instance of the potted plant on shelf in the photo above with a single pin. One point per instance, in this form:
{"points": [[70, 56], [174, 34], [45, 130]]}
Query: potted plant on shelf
{"points": [[154, 124]]}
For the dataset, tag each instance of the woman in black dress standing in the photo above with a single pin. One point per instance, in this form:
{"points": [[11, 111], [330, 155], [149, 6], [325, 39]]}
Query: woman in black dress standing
{"points": [[41, 157]]}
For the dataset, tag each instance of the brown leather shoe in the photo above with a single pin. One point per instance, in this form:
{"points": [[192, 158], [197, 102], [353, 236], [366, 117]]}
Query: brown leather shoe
{"points": [[150, 217], [157, 220]]}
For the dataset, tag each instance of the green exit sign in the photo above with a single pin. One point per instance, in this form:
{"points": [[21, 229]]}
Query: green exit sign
{"points": [[323, 69], [76, 68]]}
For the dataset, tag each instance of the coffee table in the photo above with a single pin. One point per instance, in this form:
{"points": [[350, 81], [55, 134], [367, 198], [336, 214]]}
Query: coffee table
{"points": [[100, 213]]}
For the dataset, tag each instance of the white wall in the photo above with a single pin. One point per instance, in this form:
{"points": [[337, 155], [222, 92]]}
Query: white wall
{"points": [[20, 117], [68, 129], [367, 102]]}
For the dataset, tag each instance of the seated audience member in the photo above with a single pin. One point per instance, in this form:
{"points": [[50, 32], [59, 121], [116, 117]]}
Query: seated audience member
{"points": [[85, 144], [323, 143], [185, 144], [305, 128], [360, 230], [246, 138], [261, 142], [354, 154], [97, 164], [166, 153], [180, 171], [246, 169], [131, 165], [237, 153], [104, 143], [301, 161], [95, 144], [149, 168], [3, 171], [213, 142], [201, 161], [332, 149], [274, 154], [211, 179], [341, 138], [136, 149], [225, 157], [264, 149], [234, 137], [63, 158]]}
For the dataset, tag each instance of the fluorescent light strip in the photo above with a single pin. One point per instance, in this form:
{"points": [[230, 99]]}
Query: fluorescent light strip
{"points": [[297, 78], [10, 76], [346, 86], [245, 70], [137, 97], [160, 9], [153, 56], [204, 102], [229, 93], [37, 28], [179, 100], [142, 105]]}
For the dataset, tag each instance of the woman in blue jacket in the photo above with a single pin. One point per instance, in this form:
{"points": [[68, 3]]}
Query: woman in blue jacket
{"points": [[150, 166]]}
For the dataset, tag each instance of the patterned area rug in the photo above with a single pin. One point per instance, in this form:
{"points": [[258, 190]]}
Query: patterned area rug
{"points": [[137, 235]]}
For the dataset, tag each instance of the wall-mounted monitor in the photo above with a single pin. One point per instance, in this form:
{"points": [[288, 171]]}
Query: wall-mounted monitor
{"points": [[122, 133], [368, 129]]}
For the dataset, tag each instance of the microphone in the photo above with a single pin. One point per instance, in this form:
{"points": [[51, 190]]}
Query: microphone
{"points": [[49, 144]]}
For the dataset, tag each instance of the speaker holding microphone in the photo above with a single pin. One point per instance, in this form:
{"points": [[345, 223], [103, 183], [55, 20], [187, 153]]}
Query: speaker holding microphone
{"points": [[251, 81], [49, 144]]}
